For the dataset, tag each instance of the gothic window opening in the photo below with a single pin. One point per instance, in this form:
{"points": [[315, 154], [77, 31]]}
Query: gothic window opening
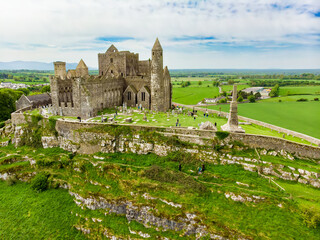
{"points": [[129, 96], [143, 96], [111, 71], [111, 60]]}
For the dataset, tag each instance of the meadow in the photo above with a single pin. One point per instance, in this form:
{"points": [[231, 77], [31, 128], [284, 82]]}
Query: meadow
{"points": [[302, 117], [299, 90], [194, 93], [26, 214]]}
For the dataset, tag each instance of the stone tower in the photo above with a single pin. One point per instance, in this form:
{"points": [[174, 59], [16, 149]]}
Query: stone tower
{"points": [[157, 82], [232, 124], [60, 69]]}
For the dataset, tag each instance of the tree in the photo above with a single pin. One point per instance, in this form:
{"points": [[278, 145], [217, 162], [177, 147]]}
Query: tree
{"points": [[251, 99], [257, 95], [7, 104], [230, 81], [26, 91], [45, 89], [240, 99]]}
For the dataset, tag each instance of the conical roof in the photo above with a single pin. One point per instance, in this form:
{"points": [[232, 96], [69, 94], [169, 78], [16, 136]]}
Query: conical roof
{"points": [[81, 64], [157, 45]]}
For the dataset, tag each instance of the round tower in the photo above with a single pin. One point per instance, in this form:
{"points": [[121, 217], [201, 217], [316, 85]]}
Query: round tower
{"points": [[157, 83], [60, 69]]}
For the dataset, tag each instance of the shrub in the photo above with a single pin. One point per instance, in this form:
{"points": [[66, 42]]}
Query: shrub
{"points": [[223, 100], [200, 83], [302, 100], [315, 99], [311, 217], [45, 163], [2, 124], [240, 99], [222, 135], [279, 100], [251, 99], [40, 182]]}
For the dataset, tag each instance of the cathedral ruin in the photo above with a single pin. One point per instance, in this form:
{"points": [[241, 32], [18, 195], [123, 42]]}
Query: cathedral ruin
{"points": [[123, 80]]}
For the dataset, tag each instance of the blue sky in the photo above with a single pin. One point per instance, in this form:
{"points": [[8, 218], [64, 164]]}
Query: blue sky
{"points": [[193, 34]]}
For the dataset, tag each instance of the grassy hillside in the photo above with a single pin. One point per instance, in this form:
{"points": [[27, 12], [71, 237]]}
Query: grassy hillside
{"points": [[302, 117], [150, 180]]}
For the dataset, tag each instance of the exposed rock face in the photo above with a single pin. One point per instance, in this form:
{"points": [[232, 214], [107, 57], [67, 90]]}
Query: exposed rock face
{"points": [[142, 215], [208, 126]]}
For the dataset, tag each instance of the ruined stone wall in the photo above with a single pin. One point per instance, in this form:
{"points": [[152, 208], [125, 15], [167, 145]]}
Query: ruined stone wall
{"points": [[23, 102], [67, 133], [202, 137], [138, 81], [145, 68]]}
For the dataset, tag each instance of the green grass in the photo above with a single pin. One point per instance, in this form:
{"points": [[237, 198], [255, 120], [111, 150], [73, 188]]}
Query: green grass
{"points": [[292, 98], [300, 90], [228, 88], [193, 94], [25, 214], [303, 117]]}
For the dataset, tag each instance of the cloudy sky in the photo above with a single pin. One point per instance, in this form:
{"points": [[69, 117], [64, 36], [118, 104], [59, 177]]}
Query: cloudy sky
{"points": [[194, 34]]}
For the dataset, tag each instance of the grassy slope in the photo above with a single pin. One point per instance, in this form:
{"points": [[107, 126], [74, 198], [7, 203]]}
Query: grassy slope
{"points": [[49, 213], [302, 117], [25, 214]]}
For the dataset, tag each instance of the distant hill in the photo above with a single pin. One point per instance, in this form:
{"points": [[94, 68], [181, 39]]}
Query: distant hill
{"points": [[29, 65]]}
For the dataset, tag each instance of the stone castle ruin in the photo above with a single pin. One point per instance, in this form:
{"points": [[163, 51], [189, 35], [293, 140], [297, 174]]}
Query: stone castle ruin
{"points": [[123, 80]]}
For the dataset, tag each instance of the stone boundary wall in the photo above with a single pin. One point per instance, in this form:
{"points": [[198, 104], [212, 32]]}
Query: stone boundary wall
{"points": [[267, 125], [196, 136]]}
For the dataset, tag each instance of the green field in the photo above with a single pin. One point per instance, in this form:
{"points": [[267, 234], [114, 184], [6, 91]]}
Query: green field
{"points": [[292, 98], [302, 117], [299, 90], [228, 88], [194, 93]]}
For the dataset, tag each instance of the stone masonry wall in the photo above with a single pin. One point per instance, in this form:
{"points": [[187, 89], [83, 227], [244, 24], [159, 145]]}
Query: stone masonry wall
{"points": [[72, 140]]}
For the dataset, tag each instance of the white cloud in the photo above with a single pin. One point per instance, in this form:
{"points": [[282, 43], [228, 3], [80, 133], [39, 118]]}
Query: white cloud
{"points": [[47, 30]]}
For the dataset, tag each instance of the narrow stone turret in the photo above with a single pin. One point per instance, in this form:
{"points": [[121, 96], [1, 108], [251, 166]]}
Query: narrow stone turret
{"points": [[157, 82], [232, 124], [60, 69]]}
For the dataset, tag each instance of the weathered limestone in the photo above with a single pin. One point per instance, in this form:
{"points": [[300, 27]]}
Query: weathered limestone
{"points": [[232, 124]]}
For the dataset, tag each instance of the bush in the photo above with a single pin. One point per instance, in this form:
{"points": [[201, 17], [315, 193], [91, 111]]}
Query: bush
{"points": [[222, 135], [40, 182], [316, 99], [251, 99], [223, 100], [200, 83], [279, 100], [2, 124], [311, 217], [240, 99], [302, 100]]}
